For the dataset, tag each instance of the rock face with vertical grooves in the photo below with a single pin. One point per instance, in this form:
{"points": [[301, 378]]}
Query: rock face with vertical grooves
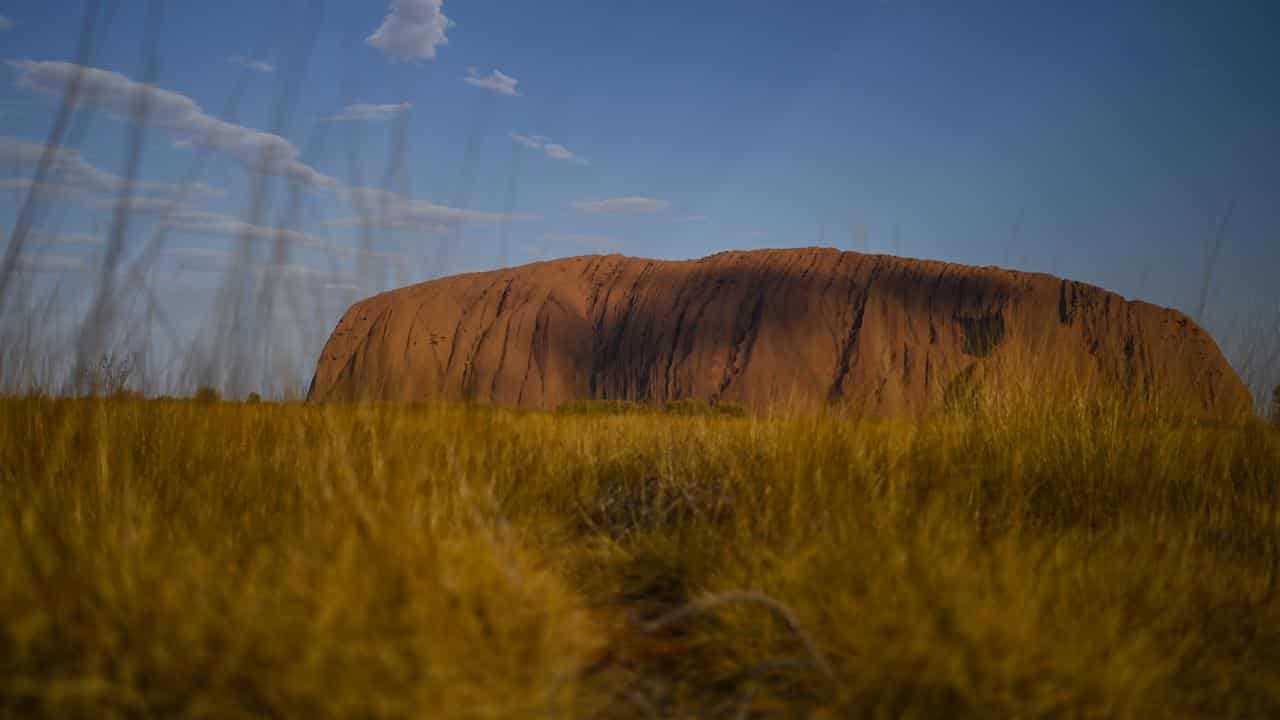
{"points": [[807, 327]]}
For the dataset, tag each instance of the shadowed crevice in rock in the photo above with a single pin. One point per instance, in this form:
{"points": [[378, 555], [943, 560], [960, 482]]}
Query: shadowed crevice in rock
{"points": [[982, 335], [808, 327]]}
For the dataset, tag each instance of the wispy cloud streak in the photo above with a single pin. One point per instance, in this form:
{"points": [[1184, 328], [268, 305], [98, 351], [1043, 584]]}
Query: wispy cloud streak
{"points": [[178, 115], [364, 111], [496, 81], [633, 205], [553, 150], [258, 66]]}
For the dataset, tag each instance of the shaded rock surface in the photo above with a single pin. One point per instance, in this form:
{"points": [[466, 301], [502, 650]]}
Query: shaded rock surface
{"points": [[806, 327]]}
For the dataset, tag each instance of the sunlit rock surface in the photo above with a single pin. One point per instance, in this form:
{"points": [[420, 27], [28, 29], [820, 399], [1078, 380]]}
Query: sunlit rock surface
{"points": [[797, 327]]}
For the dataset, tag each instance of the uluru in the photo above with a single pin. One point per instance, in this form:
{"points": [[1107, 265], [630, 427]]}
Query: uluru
{"points": [[810, 327]]}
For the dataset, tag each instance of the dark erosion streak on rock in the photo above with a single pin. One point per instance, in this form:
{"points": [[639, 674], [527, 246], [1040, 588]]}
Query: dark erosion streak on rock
{"points": [[809, 327]]}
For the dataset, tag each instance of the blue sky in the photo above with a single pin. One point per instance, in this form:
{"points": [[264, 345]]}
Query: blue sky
{"points": [[1095, 140]]}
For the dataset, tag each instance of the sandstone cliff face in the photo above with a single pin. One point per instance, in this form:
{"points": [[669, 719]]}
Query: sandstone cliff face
{"points": [[808, 327]]}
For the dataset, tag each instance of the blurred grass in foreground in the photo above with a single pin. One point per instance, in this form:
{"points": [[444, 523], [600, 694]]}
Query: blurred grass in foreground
{"points": [[171, 558]]}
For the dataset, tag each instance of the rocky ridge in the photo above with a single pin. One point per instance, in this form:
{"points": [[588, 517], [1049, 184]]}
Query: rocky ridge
{"points": [[807, 327]]}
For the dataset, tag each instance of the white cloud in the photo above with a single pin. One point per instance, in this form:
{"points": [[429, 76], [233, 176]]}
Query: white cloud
{"points": [[364, 111], [66, 239], [533, 142], [201, 191], [5, 23], [211, 224], [66, 167], [50, 191], [376, 254], [623, 206], [305, 272], [559, 152], [201, 260], [345, 287], [691, 219], [412, 30], [73, 178], [552, 150], [260, 66], [184, 253], [598, 243], [49, 264], [213, 260], [388, 210], [497, 81], [180, 116], [145, 205]]}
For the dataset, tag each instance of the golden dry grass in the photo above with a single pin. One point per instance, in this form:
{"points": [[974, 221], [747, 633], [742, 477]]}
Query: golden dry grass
{"points": [[201, 559]]}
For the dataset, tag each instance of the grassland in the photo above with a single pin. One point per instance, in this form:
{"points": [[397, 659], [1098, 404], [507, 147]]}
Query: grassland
{"points": [[222, 560]]}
